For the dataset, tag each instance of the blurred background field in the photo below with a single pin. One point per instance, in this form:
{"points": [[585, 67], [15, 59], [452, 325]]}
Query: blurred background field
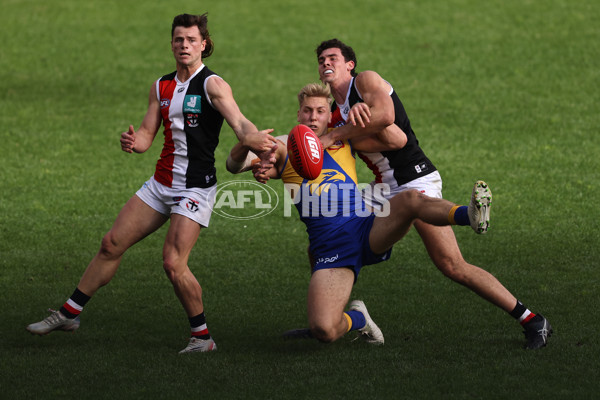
{"points": [[501, 91]]}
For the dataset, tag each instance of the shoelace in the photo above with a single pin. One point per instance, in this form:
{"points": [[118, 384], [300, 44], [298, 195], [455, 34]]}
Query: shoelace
{"points": [[53, 318]]}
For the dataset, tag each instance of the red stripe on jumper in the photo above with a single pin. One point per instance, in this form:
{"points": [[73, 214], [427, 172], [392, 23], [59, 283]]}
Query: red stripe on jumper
{"points": [[372, 167], [164, 166]]}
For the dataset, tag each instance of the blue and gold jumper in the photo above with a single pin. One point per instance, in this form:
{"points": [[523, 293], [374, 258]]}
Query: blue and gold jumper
{"points": [[331, 206]]}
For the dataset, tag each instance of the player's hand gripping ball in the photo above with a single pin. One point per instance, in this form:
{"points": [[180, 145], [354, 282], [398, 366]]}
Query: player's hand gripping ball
{"points": [[305, 152]]}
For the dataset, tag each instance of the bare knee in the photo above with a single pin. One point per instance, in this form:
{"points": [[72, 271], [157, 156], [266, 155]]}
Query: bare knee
{"points": [[325, 333], [170, 266], [453, 268], [110, 247], [411, 198], [177, 269], [407, 203]]}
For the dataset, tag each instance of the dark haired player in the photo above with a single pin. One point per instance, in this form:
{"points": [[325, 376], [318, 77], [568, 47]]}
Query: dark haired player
{"points": [[191, 103], [365, 104]]}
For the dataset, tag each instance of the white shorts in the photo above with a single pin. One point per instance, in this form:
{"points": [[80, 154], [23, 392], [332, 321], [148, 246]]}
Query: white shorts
{"points": [[194, 203], [430, 185]]}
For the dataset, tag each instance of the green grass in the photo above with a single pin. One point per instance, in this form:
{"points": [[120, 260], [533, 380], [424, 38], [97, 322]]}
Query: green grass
{"points": [[504, 91]]}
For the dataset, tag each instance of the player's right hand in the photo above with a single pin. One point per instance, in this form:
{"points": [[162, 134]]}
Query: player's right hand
{"points": [[128, 140], [259, 141], [360, 114]]}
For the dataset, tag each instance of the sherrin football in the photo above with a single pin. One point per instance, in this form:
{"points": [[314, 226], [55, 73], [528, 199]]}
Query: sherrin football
{"points": [[305, 152]]}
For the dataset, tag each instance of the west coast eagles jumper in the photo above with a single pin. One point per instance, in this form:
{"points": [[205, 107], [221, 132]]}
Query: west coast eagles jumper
{"points": [[337, 220]]}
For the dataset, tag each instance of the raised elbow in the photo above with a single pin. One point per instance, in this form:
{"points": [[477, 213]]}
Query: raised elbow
{"points": [[387, 118], [400, 141]]}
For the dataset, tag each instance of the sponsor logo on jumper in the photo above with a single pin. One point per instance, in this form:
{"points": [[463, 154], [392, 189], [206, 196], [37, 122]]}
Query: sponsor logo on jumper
{"points": [[191, 104]]}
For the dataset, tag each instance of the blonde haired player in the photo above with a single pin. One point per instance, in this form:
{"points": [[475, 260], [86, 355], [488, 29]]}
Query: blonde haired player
{"points": [[342, 243]]}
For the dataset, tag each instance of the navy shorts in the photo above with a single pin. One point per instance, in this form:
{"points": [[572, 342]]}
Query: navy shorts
{"points": [[347, 246]]}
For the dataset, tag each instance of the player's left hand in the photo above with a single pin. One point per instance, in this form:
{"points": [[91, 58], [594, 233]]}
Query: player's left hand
{"points": [[259, 173], [267, 161]]}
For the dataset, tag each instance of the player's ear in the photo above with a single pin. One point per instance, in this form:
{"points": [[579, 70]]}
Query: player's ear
{"points": [[350, 65], [298, 116]]}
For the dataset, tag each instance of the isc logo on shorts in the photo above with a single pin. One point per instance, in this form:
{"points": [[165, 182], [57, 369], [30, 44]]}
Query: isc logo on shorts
{"points": [[326, 260]]}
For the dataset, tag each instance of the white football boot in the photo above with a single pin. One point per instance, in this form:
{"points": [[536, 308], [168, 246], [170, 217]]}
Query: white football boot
{"points": [[199, 345], [54, 322], [479, 207], [370, 332]]}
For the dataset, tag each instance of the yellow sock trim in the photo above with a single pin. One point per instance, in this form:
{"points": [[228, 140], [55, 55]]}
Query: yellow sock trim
{"points": [[349, 322], [451, 215]]}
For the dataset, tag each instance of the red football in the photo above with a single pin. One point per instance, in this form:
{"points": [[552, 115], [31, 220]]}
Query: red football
{"points": [[305, 152]]}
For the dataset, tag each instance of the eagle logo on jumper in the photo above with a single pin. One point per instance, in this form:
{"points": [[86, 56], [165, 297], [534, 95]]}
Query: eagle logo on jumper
{"points": [[324, 181]]}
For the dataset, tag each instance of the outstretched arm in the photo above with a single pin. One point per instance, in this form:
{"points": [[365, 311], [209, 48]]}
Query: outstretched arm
{"points": [[221, 97], [241, 159]]}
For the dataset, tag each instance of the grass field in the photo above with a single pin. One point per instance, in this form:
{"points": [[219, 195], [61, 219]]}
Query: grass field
{"points": [[505, 91]]}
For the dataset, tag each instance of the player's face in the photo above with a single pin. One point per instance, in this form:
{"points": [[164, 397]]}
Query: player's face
{"points": [[315, 113], [187, 45], [332, 65]]}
